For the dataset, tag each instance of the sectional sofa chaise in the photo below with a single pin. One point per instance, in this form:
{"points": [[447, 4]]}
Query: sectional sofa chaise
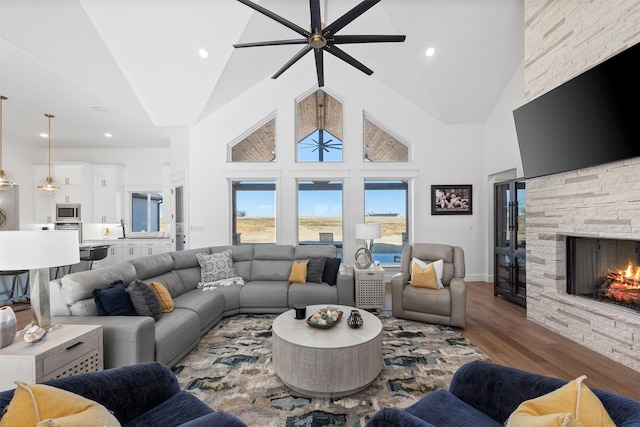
{"points": [[265, 270]]}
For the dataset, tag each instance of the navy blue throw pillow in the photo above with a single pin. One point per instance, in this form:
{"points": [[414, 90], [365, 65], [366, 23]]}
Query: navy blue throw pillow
{"points": [[330, 273], [113, 301]]}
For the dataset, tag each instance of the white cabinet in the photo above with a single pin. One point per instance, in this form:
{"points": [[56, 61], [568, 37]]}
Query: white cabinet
{"points": [[108, 193], [131, 250], [369, 287], [70, 178], [114, 254], [127, 249]]}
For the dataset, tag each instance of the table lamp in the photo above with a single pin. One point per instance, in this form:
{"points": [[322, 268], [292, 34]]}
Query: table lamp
{"points": [[37, 251], [368, 232]]}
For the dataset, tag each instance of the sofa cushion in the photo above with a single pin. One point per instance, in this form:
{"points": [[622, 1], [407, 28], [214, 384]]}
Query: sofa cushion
{"points": [[46, 405], [331, 269], [570, 403], [271, 262], [216, 266], [113, 301], [443, 408], [144, 300], [315, 268], [310, 294], [425, 300], [309, 251], [175, 411], [264, 294], [153, 265], [209, 306], [176, 334], [166, 301]]}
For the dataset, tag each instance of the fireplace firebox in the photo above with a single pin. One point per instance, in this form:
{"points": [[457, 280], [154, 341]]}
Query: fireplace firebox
{"points": [[606, 270]]}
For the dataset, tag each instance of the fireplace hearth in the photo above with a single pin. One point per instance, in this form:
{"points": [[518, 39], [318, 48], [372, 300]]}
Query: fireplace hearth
{"points": [[606, 270]]}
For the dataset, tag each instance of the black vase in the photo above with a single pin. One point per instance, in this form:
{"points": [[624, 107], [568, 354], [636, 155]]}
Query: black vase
{"points": [[355, 319]]}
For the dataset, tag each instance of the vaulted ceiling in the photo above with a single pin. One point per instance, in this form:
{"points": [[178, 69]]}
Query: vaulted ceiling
{"points": [[131, 68]]}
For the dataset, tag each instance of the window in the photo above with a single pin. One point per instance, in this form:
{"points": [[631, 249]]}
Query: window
{"points": [[386, 204], [319, 128], [146, 212], [320, 213], [380, 146], [254, 212], [258, 146]]}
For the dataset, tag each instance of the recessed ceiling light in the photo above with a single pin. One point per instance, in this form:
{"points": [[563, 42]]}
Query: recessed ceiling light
{"points": [[44, 135], [203, 53], [108, 135], [430, 52]]}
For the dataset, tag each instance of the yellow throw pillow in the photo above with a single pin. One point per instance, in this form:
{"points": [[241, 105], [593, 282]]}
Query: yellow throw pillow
{"points": [[43, 405], [298, 272], [163, 296], [424, 278], [572, 405]]}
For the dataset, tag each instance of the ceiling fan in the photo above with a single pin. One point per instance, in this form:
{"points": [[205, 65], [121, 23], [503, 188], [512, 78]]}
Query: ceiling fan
{"points": [[321, 39]]}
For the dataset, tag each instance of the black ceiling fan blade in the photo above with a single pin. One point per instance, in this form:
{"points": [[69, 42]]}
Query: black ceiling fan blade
{"points": [[319, 66], [316, 21], [276, 18], [292, 61], [271, 43], [365, 39], [339, 53], [348, 17]]}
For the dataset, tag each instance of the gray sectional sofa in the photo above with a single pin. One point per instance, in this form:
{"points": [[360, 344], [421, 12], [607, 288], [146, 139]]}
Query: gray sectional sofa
{"points": [[130, 340]]}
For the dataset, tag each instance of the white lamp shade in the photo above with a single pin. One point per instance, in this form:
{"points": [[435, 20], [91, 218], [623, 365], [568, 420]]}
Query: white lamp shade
{"points": [[368, 231], [27, 250]]}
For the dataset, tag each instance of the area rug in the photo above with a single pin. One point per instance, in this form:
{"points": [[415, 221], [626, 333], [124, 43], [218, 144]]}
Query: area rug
{"points": [[231, 370]]}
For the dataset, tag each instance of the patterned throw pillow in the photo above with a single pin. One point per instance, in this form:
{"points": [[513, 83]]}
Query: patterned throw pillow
{"points": [[216, 266]]}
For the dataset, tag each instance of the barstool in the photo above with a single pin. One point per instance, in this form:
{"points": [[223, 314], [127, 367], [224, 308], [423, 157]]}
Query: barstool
{"points": [[16, 286], [95, 253]]}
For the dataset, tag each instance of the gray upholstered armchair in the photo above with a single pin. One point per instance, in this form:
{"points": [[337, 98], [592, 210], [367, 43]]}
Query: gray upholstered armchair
{"points": [[446, 306]]}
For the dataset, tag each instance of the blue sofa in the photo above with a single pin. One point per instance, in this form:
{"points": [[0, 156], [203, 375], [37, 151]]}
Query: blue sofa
{"points": [[147, 394], [483, 394]]}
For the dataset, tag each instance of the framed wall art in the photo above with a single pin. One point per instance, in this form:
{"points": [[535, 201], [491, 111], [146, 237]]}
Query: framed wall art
{"points": [[451, 199]]}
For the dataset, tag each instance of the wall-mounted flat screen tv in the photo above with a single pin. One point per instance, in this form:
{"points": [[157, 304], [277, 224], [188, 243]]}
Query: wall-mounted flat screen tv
{"points": [[589, 120]]}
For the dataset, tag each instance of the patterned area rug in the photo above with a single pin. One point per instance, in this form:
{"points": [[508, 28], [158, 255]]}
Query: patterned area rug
{"points": [[231, 370]]}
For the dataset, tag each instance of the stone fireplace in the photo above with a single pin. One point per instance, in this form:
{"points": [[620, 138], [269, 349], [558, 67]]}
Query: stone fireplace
{"points": [[601, 203], [562, 40]]}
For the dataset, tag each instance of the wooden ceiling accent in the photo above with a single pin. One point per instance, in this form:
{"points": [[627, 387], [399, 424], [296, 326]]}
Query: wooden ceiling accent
{"points": [[379, 146], [259, 146], [319, 111]]}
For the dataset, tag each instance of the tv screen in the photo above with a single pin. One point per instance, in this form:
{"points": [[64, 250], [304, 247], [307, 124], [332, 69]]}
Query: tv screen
{"points": [[591, 119]]}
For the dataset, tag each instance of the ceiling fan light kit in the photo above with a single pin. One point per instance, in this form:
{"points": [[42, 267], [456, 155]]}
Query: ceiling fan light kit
{"points": [[322, 39]]}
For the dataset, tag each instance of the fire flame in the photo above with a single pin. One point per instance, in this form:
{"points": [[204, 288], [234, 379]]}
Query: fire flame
{"points": [[628, 273], [624, 285]]}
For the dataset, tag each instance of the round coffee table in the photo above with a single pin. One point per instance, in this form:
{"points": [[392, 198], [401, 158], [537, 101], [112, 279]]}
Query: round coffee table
{"points": [[331, 362]]}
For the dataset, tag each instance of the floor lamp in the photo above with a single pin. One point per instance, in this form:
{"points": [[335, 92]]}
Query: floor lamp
{"points": [[37, 251]]}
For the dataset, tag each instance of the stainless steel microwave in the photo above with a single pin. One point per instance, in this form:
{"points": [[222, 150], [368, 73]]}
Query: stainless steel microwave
{"points": [[68, 212]]}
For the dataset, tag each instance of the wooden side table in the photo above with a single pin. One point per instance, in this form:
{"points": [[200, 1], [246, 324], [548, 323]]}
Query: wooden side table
{"points": [[68, 350], [369, 287]]}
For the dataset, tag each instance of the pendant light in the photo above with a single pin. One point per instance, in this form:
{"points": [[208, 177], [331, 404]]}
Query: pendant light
{"points": [[48, 186], [6, 180]]}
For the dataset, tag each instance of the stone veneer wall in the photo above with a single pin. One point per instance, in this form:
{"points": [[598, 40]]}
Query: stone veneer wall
{"points": [[562, 40]]}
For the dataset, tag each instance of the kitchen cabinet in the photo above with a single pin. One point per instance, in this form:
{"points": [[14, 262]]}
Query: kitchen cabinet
{"points": [[70, 178], [131, 250], [510, 241], [108, 193], [128, 249]]}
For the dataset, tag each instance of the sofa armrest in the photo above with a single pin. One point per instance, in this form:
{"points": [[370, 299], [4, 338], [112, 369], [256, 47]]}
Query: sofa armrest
{"points": [[392, 417], [398, 282], [127, 340], [458, 292], [346, 286]]}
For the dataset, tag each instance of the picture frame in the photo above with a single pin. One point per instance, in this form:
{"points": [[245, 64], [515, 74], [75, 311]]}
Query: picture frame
{"points": [[451, 200]]}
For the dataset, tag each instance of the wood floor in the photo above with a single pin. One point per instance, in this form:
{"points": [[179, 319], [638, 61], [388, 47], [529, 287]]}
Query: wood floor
{"points": [[501, 329]]}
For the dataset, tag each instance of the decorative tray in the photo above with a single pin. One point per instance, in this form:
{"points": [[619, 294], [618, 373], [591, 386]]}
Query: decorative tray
{"points": [[325, 318]]}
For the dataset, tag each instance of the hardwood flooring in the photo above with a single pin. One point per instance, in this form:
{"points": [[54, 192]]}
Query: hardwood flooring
{"points": [[501, 329]]}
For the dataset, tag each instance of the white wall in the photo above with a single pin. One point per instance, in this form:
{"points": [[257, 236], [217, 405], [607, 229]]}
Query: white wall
{"points": [[440, 155]]}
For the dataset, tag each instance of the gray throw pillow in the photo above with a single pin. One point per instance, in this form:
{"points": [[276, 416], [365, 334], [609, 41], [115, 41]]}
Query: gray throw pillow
{"points": [[216, 266], [145, 301], [315, 268]]}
